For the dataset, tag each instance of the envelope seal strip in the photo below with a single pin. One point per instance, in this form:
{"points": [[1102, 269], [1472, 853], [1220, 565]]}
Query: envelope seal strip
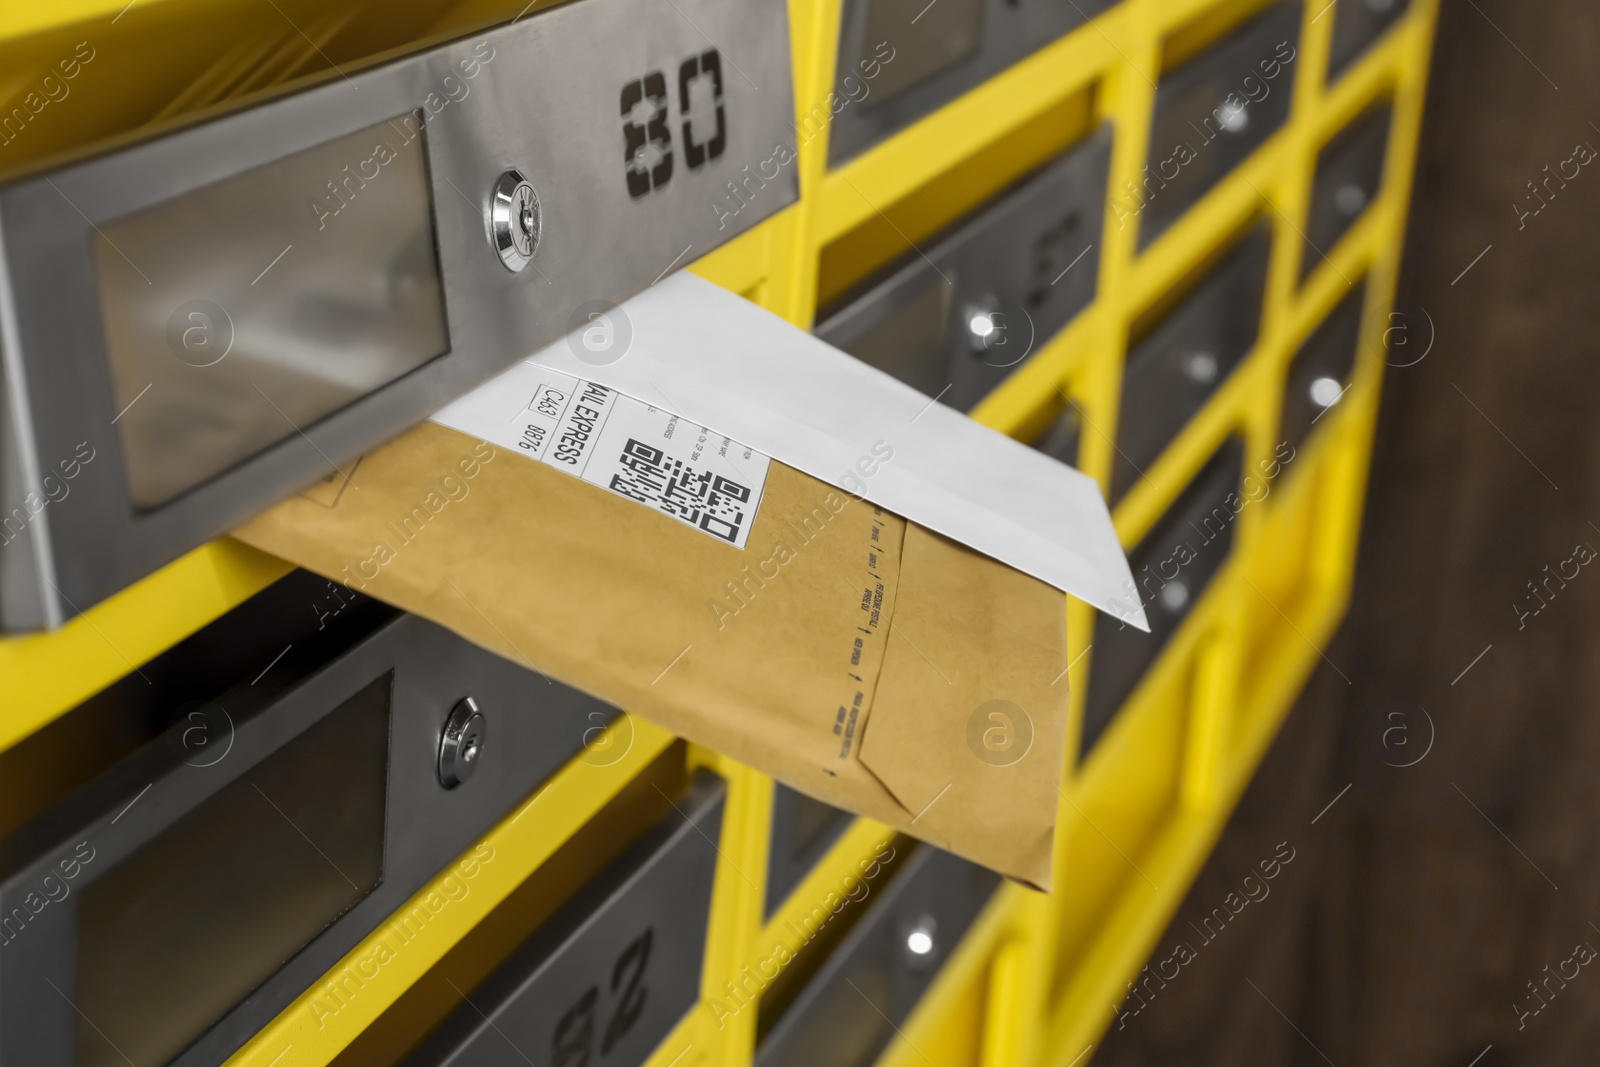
{"points": [[880, 570]]}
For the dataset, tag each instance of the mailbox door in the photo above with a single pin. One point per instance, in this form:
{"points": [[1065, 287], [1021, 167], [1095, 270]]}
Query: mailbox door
{"points": [[610, 975], [1190, 543], [240, 854], [1349, 174], [857, 1001], [900, 60], [955, 322], [1214, 111], [203, 322], [1320, 373], [1356, 25], [1173, 372]]}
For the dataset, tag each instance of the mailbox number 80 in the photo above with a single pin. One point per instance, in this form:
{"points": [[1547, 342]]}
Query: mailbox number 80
{"points": [[647, 133]]}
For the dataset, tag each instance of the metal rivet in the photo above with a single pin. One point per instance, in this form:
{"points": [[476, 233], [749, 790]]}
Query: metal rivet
{"points": [[461, 744], [514, 220]]}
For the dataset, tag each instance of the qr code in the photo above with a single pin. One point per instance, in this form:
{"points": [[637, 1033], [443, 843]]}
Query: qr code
{"points": [[709, 501]]}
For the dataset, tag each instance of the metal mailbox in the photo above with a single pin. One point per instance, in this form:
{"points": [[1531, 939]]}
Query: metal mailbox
{"points": [[900, 60], [605, 979], [954, 322], [1320, 374], [866, 990], [1185, 359], [803, 830], [194, 326], [182, 897], [1349, 174], [1212, 112], [1357, 24], [1172, 565]]}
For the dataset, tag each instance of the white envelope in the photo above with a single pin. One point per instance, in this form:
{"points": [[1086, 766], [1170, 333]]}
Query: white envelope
{"points": [[711, 357]]}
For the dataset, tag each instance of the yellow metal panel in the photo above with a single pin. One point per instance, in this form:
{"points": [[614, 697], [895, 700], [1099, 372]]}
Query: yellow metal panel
{"points": [[43, 675], [741, 264]]}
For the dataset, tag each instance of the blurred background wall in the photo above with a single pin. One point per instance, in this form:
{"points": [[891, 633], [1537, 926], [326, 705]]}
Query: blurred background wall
{"points": [[1429, 914]]}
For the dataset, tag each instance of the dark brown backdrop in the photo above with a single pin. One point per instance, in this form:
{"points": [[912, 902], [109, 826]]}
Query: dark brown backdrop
{"points": [[1420, 906]]}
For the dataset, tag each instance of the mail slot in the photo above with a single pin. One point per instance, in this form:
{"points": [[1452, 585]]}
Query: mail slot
{"points": [[182, 897], [900, 60], [1356, 25], [201, 323], [1349, 173], [1320, 374], [1172, 372], [866, 990], [954, 322], [1212, 112], [1172, 566], [608, 976], [1060, 439], [803, 830]]}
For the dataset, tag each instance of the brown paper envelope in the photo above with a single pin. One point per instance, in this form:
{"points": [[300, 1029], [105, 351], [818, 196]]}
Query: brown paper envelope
{"points": [[843, 651], [968, 731]]}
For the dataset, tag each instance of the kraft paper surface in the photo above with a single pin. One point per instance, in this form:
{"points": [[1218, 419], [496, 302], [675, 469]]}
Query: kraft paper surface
{"points": [[856, 657]]}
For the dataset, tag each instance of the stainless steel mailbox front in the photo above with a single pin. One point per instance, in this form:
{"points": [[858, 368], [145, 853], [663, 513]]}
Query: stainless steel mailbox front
{"points": [[867, 988], [955, 322], [900, 60], [199, 324], [1172, 567], [173, 904], [609, 976]]}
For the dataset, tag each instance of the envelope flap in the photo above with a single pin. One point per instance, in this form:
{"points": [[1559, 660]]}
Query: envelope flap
{"points": [[968, 723]]}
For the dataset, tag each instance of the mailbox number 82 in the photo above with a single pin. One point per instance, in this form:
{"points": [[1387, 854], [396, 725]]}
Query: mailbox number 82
{"points": [[573, 1043]]}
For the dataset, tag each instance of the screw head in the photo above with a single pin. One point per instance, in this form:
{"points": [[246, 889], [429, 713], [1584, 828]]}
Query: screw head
{"points": [[514, 220], [1326, 392], [920, 942], [1174, 596], [1200, 367], [985, 325], [461, 743], [1233, 118], [1349, 199]]}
